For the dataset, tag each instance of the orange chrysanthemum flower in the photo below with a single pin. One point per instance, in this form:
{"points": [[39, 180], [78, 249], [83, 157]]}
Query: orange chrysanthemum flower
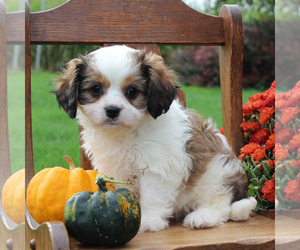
{"points": [[222, 131], [280, 104], [249, 125], [250, 148], [258, 154], [255, 97], [247, 108], [260, 136], [265, 115], [289, 114], [270, 100], [281, 152], [242, 156], [295, 142], [270, 143], [269, 190], [294, 100], [284, 135], [258, 104], [270, 163], [292, 190]]}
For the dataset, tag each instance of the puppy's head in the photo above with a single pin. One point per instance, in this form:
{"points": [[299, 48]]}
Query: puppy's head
{"points": [[116, 86]]}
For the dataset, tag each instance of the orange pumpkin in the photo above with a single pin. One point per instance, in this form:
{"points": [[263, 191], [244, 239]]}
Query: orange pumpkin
{"points": [[13, 196], [50, 189]]}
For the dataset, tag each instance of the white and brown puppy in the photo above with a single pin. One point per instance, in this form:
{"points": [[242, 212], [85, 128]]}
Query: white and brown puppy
{"points": [[125, 99]]}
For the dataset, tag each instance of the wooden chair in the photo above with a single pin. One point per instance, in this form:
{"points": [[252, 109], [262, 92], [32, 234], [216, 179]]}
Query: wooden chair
{"points": [[143, 24]]}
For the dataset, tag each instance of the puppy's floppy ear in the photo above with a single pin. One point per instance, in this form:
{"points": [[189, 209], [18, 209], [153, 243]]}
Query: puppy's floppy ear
{"points": [[161, 81], [67, 85]]}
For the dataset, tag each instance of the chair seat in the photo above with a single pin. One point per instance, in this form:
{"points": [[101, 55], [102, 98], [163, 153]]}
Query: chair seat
{"points": [[258, 232]]}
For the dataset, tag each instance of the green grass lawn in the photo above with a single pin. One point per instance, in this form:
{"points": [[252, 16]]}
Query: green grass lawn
{"points": [[207, 101], [56, 135], [16, 121]]}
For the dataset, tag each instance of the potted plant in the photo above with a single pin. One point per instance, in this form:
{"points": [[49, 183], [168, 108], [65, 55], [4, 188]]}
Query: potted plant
{"points": [[258, 153]]}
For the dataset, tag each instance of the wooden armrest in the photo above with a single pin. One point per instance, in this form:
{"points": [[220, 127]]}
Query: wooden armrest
{"points": [[49, 235]]}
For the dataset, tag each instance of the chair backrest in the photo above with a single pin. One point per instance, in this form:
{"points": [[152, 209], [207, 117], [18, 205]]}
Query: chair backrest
{"points": [[146, 23]]}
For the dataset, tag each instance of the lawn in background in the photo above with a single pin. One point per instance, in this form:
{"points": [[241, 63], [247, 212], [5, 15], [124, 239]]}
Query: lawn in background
{"points": [[56, 135], [16, 118], [207, 101]]}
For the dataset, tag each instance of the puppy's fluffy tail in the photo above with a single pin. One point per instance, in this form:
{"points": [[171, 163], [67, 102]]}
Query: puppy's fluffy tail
{"points": [[240, 210]]}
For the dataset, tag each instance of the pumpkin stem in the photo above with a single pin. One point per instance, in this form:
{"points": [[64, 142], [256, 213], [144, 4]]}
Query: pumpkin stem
{"points": [[70, 161], [101, 181]]}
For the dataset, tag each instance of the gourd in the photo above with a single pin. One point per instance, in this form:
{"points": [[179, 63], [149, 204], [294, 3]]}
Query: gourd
{"points": [[13, 196], [106, 218], [50, 189]]}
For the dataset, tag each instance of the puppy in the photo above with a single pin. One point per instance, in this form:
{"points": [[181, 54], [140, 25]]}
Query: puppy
{"points": [[125, 100]]}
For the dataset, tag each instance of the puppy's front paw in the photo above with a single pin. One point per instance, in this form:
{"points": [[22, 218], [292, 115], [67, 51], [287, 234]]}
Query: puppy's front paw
{"points": [[202, 218], [153, 224], [240, 210]]}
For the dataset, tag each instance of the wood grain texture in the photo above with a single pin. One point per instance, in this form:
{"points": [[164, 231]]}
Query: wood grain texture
{"points": [[126, 21], [47, 236], [231, 75], [5, 171], [11, 234], [85, 162], [15, 26], [287, 230], [29, 163], [256, 233]]}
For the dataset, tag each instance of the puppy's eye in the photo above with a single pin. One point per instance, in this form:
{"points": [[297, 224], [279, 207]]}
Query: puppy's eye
{"points": [[131, 93], [96, 90]]}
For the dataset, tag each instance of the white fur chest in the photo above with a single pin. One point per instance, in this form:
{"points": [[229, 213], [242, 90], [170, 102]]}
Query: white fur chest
{"points": [[158, 145]]}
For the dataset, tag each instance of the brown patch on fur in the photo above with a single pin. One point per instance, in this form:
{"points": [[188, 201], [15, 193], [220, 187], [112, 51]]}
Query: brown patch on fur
{"points": [[138, 82], [202, 148], [162, 87], [67, 88], [76, 83], [92, 78]]}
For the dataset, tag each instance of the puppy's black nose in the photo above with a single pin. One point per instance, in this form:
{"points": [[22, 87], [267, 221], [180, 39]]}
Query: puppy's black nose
{"points": [[112, 111]]}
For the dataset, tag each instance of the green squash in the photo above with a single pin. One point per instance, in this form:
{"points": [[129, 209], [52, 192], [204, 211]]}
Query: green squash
{"points": [[105, 218]]}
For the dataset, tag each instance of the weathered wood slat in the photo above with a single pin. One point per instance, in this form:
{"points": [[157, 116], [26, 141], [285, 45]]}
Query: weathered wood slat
{"points": [[125, 21], [15, 25], [4, 145], [51, 235], [231, 75], [29, 162]]}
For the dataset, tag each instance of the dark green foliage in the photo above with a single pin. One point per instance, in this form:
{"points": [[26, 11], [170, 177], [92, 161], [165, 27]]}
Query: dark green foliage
{"points": [[54, 57], [251, 9], [200, 65]]}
